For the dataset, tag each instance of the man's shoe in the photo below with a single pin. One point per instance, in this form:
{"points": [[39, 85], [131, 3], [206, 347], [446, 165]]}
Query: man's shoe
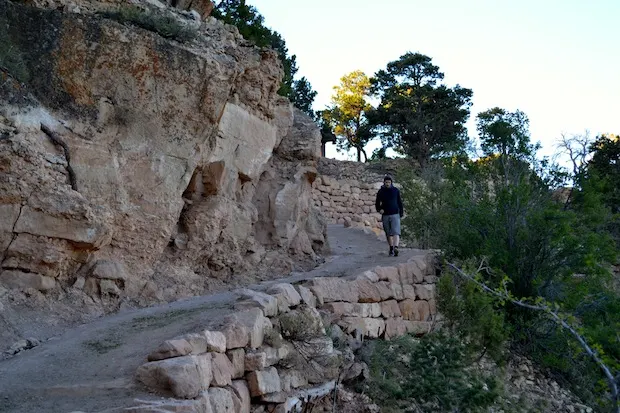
{"points": [[396, 251], [391, 251]]}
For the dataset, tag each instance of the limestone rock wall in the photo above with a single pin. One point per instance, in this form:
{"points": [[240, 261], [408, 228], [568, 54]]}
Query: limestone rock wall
{"points": [[346, 191], [136, 169], [347, 201], [291, 344]]}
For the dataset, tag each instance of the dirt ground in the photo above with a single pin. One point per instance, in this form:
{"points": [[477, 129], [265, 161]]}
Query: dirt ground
{"points": [[90, 368]]}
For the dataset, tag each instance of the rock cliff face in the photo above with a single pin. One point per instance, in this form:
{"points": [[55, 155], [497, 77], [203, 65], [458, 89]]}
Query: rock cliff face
{"points": [[136, 169]]}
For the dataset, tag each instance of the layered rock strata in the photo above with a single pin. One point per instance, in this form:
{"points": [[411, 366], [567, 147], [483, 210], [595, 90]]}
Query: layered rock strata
{"points": [[135, 168]]}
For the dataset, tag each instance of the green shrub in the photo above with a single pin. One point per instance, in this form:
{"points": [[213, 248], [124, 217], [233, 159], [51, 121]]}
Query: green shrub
{"points": [[473, 315], [431, 374], [164, 24]]}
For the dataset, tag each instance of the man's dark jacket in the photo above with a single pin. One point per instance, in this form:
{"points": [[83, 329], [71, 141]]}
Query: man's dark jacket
{"points": [[388, 200]]}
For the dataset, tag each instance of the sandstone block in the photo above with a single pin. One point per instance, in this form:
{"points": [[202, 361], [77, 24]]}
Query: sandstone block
{"points": [[286, 295], [171, 348], [409, 291], [255, 322], [306, 295], [414, 310], [222, 369], [250, 298], [395, 327], [328, 289], [237, 359], [389, 274], [215, 341], [367, 310], [206, 341], [185, 377], [368, 327], [418, 327], [221, 400], [263, 382], [385, 290], [256, 361], [339, 308], [419, 268], [397, 291], [405, 273], [407, 308], [242, 392], [390, 309], [425, 291], [368, 276], [237, 334]]}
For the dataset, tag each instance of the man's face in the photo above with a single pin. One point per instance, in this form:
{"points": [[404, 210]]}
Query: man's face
{"points": [[387, 183]]}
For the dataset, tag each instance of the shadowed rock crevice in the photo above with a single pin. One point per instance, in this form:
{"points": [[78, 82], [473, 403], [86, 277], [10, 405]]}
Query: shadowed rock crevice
{"points": [[57, 140]]}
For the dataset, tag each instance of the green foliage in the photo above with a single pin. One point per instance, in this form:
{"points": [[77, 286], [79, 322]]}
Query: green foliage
{"points": [[501, 208], [504, 133], [379, 154], [164, 24], [251, 25], [347, 115], [302, 96], [418, 116], [432, 374], [478, 316]]}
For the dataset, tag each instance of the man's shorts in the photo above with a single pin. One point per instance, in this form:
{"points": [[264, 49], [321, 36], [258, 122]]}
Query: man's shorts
{"points": [[391, 224]]}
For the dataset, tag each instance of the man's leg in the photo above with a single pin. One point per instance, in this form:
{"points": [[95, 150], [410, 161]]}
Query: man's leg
{"points": [[396, 231], [388, 231]]}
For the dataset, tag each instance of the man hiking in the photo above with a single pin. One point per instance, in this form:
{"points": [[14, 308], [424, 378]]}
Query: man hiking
{"points": [[390, 206]]}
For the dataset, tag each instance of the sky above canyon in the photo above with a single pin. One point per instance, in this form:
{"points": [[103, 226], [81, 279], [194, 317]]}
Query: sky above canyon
{"points": [[556, 60]]}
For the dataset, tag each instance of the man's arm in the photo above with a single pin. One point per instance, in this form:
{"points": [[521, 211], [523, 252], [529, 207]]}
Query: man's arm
{"points": [[378, 201], [401, 210]]}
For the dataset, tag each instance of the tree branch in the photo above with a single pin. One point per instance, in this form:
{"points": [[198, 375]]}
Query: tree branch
{"points": [[504, 295]]}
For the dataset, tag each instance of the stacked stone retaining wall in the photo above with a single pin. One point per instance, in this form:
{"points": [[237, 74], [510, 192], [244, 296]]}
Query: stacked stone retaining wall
{"points": [[291, 344]]}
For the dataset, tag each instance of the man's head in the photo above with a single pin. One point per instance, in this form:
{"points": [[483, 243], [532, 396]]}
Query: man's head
{"points": [[387, 180]]}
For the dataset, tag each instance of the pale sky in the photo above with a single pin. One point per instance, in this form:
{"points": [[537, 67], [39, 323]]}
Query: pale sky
{"points": [[556, 60]]}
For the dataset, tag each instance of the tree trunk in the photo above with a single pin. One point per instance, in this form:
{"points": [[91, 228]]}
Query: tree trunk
{"points": [[359, 155], [364, 153]]}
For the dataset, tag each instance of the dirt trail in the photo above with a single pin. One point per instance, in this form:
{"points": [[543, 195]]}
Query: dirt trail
{"points": [[90, 368]]}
